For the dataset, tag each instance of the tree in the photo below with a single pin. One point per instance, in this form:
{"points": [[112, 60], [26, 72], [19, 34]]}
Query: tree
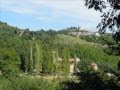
{"points": [[38, 56], [31, 62], [47, 63], [9, 62], [110, 10], [66, 57], [110, 18]]}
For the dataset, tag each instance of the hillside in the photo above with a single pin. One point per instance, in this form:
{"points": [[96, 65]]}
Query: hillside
{"points": [[75, 46], [28, 56]]}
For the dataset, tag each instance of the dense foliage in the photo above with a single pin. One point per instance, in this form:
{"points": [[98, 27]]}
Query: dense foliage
{"points": [[110, 10], [26, 55]]}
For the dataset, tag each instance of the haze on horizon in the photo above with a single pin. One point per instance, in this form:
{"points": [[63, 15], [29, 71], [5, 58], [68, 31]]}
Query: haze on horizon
{"points": [[48, 14]]}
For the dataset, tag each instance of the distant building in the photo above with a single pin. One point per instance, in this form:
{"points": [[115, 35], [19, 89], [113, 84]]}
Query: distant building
{"points": [[94, 66], [19, 32], [72, 62], [83, 33]]}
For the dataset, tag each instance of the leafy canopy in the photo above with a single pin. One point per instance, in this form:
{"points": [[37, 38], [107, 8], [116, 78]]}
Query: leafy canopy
{"points": [[111, 13]]}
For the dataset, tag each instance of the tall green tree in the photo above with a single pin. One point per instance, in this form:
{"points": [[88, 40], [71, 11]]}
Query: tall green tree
{"points": [[66, 57], [38, 56]]}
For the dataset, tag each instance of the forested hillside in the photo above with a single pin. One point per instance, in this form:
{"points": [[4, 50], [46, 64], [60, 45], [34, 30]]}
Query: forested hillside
{"points": [[26, 56]]}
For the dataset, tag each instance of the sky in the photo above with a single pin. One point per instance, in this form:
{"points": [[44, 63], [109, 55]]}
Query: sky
{"points": [[48, 14]]}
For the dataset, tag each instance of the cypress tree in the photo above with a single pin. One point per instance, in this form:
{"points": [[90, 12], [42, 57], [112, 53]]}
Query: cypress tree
{"points": [[66, 56], [31, 65], [38, 57]]}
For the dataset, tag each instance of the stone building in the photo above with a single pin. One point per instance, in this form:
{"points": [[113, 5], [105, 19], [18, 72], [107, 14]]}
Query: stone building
{"points": [[72, 62]]}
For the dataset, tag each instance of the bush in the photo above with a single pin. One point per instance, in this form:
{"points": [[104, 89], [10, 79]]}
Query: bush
{"points": [[28, 83], [9, 62]]}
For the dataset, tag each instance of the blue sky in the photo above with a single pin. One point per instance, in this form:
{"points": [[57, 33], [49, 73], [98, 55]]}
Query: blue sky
{"points": [[46, 14]]}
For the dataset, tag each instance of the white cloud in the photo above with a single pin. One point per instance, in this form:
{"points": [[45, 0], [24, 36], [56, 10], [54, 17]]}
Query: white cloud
{"points": [[72, 7], [41, 18], [59, 8]]}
